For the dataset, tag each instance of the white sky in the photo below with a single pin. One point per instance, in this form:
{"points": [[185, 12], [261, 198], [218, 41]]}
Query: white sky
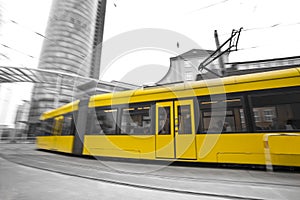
{"points": [[188, 18], [197, 20], [276, 30]]}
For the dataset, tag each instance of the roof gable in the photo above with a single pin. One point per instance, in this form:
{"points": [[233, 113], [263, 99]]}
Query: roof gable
{"points": [[195, 53]]}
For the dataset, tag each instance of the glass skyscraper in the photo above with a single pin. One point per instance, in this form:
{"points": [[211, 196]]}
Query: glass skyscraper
{"points": [[72, 45]]}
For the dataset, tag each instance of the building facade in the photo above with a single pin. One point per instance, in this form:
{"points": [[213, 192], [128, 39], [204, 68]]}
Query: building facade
{"points": [[72, 45], [21, 120], [185, 66], [246, 67]]}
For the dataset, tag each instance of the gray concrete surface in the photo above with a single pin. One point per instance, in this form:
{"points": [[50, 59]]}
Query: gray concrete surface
{"points": [[63, 177], [25, 183]]}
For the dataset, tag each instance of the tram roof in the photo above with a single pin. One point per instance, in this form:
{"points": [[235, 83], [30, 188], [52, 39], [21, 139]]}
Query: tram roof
{"points": [[247, 82], [67, 108], [217, 82]]}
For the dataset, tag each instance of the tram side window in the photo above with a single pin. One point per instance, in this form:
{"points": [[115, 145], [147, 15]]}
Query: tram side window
{"points": [[47, 127], [136, 120], [164, 126], [93, 125], [222, 116], [107, 119], [184, 120], [276, 111], [68, 125]]}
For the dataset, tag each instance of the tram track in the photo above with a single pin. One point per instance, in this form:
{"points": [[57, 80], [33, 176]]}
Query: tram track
{"points": [[149, 175], [88, 170], [26, 164]]}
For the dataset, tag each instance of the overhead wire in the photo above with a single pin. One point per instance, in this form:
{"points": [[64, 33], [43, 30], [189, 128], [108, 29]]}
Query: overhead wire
{"points": [[34, 32], [10, 20], [209, 6], [276, 25], [272, 26], [16, 50], [24, 27], [29, 29]]}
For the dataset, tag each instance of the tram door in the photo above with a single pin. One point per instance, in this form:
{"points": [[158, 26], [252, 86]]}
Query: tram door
{"points": [[185, 136], [175, 132]]}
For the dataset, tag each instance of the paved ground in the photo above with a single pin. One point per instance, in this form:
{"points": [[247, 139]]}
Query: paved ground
{"points": [[24, 183], [29, 174]]}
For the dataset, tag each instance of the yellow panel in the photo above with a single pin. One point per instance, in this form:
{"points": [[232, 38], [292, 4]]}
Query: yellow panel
{"points": [[45, 142], [185, 147], [241, 158], [285, 159], [64, 143], [231, 148], [285, 150], [284, 144], [55, 143], [248, 149], [165, 146], [120, 146]]}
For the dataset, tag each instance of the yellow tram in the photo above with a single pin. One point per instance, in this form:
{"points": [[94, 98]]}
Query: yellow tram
{"points": [[247, 119]]}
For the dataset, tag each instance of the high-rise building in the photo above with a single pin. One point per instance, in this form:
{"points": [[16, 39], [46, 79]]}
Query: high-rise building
{"points": [[71, 45]]}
